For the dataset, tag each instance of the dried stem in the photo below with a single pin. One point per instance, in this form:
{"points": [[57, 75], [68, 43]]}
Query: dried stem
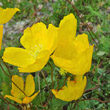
{"points": [[101, 101], [11, 79], [8, 102], [91, 89]]}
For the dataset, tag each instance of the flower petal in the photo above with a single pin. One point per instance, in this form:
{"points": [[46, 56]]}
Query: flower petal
{"points": [[66, 34], [82, 63], [38, 34], [41, 61], [61, 62], [29, 85], [81, 43], [27, 100], [17, 83], [13, 98], [34, 35], [18, 56], [7, 14], [1, 34], [67, 28], [72, 91], [75, 56], [51, 39]]}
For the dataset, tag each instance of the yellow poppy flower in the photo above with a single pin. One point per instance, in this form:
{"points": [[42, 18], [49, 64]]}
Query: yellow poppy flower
{"points": [[39, 42], [73, 54], [19, 90], [73, 90], [5, 16]]}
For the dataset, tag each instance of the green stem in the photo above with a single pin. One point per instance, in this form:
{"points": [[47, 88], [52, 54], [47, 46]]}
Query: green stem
{"points": [[51, 75], [45, 80]]}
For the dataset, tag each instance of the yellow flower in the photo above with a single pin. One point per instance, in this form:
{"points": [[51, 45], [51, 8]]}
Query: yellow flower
{"points": [[19, 90], [73, 90], [73, 54], [39, 42], [5, 16]]}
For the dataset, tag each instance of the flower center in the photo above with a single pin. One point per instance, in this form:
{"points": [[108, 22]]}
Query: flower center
{"points": [[36, 49]]}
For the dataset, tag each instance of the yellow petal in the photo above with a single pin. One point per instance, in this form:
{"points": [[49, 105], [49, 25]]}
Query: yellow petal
{"points": [[29, 85], [7, 14], [27, 100], [62, 62], [81, 43], [39, 35], [18, 56], [66, 34], [38, 65], [1, 34], [13, 98], [16, 92], [33, 36], [82, 63], [72, 91], [51, 39], [67, 28], [76, 55]]}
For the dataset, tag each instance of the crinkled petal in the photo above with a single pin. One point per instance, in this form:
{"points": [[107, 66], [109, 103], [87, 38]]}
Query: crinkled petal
{"points": [[67, 28], [75, 57], [7, 14], [65, 50], [18, 56], [14, 99], [66, 34], [52, 38], [17, 87], [82, 63], [29, 85], [62, 62], [41, 61], [38, 36], [27, 100], [34, 36], [72, 91], [1, 35], [81, 43]]}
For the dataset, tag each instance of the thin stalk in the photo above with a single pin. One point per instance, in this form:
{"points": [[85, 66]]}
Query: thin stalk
{"points": [[65, 81], [8, 102], [39, 88], [5, 72], [51, 75], [11, 79], [6, 66], [45, 80]]}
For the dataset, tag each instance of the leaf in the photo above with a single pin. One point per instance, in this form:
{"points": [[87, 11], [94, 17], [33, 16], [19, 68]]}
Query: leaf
{"points": [[101, 53]]}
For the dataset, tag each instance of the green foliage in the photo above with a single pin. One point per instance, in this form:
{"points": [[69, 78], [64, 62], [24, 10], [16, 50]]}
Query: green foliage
{"points": [[96, 13]]}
